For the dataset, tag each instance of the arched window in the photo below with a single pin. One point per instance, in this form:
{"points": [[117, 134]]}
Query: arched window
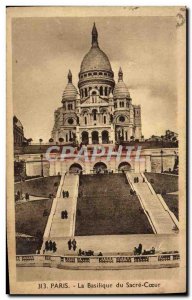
{"points": [[94, 97], [104, 119], [105, 91], [82, 93], [122, 104], [85, 120], [85, 92], [101, 90], [66, 137], [94, 114]]}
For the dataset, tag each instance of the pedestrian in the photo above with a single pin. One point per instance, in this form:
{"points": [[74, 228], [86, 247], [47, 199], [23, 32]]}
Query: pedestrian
{"points": [[143, 179], [63, 194], [54, 247], [46, 245], [140, 249], [50, 245], [67, 194], [66, 214], [69, 244], [74, 244]]}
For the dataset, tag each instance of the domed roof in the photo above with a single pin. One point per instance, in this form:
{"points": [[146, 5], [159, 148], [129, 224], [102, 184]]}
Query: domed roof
{"points": [[70, 91], [95, 59], [120, 90]]}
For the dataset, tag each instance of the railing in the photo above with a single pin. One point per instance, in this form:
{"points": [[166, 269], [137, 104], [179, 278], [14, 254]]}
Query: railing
{"points": [[162, 201], [99, 261], [149, 217], [166, 208], [54, 204]]}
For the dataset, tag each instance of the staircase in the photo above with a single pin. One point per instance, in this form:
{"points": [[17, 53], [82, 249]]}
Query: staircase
{"points": [[160, 217], [105, 206], [65, 227]]}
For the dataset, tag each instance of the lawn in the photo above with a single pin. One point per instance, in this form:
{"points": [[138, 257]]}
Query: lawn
{"points": [[30, 218], [172, 203], [163, 183], [41, 187]]}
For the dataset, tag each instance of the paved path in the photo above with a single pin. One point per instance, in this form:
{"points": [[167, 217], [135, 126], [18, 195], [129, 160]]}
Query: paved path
{"points": [[65, 227], [160, 217]]}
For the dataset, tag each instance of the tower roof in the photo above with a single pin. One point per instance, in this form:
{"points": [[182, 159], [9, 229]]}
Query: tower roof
{"points": [[120, 90], [70, 91], [95, 59]]}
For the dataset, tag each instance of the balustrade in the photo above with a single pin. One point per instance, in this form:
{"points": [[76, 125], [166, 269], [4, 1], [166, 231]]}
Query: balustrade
{"points": [[97, 260]]}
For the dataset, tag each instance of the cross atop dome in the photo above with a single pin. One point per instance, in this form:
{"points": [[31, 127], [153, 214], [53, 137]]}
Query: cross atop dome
{"points": [[69, 77], [120, 74], [94, 36]]}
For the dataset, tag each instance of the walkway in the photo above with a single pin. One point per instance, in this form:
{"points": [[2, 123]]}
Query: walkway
{"points": [[65, 227], [160, 217]]}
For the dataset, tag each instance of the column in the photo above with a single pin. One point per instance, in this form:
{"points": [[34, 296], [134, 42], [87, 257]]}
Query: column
{"points": [[78, 135], [90, 138], [112, 134], [100, 138]]}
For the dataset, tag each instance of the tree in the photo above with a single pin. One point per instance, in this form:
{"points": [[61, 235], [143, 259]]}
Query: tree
{"points": [[51, 140], [174, 139], [29, 141]]}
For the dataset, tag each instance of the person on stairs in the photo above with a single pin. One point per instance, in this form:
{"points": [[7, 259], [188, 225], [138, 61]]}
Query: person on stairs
{"points": [[69, 244], [74, 244]]}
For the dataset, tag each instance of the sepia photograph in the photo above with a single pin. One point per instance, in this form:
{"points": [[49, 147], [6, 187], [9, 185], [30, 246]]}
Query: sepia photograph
{"points": [[96, 157]]}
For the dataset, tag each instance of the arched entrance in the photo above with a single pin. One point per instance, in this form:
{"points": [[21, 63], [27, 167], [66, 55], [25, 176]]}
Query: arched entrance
{"points": [[124, 166], [95, 137], [75, 168], [85, 137], [105, 137], [99, 167]]}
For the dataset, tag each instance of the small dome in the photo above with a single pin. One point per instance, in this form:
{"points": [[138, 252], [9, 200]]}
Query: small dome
{"points": [[121, 90], [70, 91], [95, 59]]}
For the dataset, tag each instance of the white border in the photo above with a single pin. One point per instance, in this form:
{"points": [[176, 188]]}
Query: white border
{"points": [[3, 4]]}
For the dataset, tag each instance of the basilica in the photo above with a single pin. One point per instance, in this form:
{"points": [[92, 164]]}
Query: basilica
{"points": [[101, 110]]}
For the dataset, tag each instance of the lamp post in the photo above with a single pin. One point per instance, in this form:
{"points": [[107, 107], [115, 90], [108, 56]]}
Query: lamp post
{"points": [[42, 165], [161, 161]]}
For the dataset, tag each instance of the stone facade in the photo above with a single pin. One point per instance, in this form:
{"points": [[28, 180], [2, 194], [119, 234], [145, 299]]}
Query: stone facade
{"points": [[102, 111]]}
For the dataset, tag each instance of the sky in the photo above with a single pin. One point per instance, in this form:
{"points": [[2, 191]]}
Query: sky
{"points": [[44, 49]]}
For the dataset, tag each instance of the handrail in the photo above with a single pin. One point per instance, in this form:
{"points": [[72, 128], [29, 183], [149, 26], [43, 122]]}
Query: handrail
{"points": [[51, 215], [142, 205], [174, 219], [160, 198]]}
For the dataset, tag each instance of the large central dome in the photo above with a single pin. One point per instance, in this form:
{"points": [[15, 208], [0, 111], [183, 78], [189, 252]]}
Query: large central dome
{"points": [[95, 59]]}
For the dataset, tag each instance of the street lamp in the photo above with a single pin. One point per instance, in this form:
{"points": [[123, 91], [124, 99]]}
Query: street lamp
{"points": [[42, 165], [161, 161]]}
